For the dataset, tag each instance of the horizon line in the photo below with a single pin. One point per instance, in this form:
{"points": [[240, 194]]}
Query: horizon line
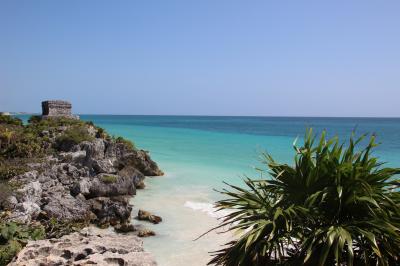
{"points": [[200, 115]]}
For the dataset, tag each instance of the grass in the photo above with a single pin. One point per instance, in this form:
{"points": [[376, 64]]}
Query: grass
{"points": [[109, 179]]}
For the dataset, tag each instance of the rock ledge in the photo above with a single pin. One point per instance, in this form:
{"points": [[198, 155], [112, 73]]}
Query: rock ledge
{"points": [[91, 246]]}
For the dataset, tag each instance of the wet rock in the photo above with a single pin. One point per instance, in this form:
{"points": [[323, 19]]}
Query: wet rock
{"points": [[147, 216], [146, 233], [124, 228]]}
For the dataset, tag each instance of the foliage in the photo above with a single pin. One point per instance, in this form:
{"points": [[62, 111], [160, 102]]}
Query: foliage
{"points": [[14, 236], [20, 141], [34, 119], [53, 122], [101, 133], [109, 179], [10, 168], [335, 206], [25, 145], [7, 119], [129, 144], [72, 136], [56, 229], [5, 192]]}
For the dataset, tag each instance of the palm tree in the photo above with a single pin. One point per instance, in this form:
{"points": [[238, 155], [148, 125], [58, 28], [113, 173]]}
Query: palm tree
{"points": [[334, 206]]}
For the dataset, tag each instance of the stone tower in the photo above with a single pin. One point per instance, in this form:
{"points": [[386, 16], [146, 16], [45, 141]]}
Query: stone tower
{"points": [[57, 108]]}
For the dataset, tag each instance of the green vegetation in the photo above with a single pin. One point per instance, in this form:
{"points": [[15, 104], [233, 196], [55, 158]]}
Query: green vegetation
{"points": [[44, 124], [56, 229], [129, 144], [72, 136], [101, 133], [11, 167], [109, 179], [13, 237], [10, 120], [335, 206], [20, 143], [5, 192]]}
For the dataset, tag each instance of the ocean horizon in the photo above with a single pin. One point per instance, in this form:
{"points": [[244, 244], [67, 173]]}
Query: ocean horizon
{"points": [[199, 153]]}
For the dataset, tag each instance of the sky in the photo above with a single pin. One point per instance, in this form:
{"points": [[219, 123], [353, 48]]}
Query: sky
{"points": [[267, 58]]}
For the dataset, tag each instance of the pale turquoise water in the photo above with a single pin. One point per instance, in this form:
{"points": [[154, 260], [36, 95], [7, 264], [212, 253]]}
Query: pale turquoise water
{"points": [[198, 153]]}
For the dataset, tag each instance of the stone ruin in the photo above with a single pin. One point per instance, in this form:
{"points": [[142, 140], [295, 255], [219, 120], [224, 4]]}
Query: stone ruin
{"points": [[57, 108]]}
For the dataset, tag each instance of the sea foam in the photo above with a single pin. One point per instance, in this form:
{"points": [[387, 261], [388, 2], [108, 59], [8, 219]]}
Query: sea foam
{"points": [[207, 208]]}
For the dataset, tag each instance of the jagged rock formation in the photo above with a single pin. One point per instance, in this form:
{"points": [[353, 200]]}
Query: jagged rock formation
{"points": [[90, 181], [62, 174], [91, 246]]}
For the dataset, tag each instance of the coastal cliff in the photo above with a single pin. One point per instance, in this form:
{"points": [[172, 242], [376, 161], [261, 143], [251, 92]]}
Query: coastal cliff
{"points": [[59, 175]]}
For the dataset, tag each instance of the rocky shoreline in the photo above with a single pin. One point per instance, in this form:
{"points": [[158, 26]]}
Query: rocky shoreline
{"points": [[68, 176]]}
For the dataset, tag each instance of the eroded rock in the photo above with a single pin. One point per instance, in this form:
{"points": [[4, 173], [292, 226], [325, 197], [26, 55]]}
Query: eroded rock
{"points": [[146, 233], [147, 216], [90, 246]]}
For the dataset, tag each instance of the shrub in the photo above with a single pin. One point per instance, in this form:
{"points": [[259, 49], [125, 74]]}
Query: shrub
{"points": [[5, 192], [334, 206], [15, 236], [101, 133], [71, 137], [7, 119], [10, 168], [129, 144], [24, 145], [37, 124], [34, 119], [56, 228]]}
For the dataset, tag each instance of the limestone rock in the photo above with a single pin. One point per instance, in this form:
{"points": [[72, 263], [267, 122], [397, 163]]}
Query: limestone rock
{"points": [[104, 166], [131, 172], [90, 246], [104, 185], [146, 233], [124, 228], [111, 211], [74, 157], [65, 207], [94, 149], [142, 161], [147, 216]]}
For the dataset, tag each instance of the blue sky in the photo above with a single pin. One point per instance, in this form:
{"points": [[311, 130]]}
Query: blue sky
{"points": [[277, 58]]}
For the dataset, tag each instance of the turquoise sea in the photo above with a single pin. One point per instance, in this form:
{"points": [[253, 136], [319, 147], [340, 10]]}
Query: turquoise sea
{"points": [[199, 153]]}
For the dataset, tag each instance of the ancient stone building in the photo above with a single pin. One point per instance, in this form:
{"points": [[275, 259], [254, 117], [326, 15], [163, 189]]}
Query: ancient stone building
{"points": [[56, 108]]}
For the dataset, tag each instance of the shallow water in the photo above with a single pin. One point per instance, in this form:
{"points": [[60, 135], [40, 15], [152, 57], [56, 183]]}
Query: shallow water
{"points": [[198, 153]]}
